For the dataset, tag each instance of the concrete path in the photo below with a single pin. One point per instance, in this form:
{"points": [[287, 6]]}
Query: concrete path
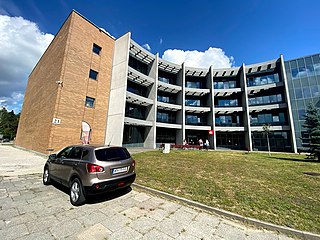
{"points": [[30, 210]]}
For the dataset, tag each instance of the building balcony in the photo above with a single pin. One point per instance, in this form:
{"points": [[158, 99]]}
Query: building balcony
{"points": [[196, 91], [140, 53], [272, 128], [256, 89], [226, 92], [259, 108], [137, 122], [139, 78], [169, 125], [229, 128], [227, 110], [167, 87], [197, 127], [192, 109], [137, 99], [168, 106]]}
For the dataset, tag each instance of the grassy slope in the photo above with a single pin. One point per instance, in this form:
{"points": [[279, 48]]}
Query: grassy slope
{"points": [[272, 189]]}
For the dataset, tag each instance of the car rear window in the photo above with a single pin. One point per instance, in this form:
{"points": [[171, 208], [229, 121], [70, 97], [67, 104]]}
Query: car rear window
{"points": [[112, 154]]}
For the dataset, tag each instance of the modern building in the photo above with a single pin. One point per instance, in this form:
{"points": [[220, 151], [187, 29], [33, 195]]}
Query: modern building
{"points": [[88, 85]]}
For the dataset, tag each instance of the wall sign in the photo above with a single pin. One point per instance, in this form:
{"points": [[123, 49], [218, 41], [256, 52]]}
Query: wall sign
{"points": [[56, 121]]}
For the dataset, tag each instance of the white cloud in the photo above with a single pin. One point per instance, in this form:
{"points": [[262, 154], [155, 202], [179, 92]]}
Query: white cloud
{"points": [[14, 102], [21, 45], [146, 46], [213, 56]]}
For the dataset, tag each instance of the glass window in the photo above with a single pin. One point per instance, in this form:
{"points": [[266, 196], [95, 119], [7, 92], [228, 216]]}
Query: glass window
{"points": [[294, 73], [317, 68], [275, 119], [273, 99], [306, 92], [93, 74], [315, 91], [64, 153], [268, 118], [89, 102], [76, 153], [302, 113], [279, 97], [282, 117], [96, 49], [261, 118], [266, 99], [85, 155], [259, 100], [298, 93], [112, 154]]}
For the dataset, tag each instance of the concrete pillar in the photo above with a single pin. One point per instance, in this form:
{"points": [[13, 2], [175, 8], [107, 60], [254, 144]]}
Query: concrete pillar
{"points": [[118, 88], [287, 97], [212, 138], [150, 140], [245, 104], [181, 115]]}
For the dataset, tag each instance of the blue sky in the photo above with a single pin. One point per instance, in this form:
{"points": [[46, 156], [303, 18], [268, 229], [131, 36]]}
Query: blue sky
{"points": [[248, 31]]}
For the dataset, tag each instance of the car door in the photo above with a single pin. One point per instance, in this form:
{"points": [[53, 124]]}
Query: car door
{"points": [[60, 163], [69, 163]]}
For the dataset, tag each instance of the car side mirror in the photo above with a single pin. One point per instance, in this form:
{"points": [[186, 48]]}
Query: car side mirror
{"points": [[52, 156]]}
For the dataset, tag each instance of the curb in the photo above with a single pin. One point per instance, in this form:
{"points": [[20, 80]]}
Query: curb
{"points": [[252, 221]]}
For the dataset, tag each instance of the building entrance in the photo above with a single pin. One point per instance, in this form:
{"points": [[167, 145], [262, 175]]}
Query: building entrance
{"points": [[230, 140]]}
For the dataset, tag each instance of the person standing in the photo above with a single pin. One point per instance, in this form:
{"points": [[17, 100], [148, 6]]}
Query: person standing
{"points": [[207, 144], [201, 144]]}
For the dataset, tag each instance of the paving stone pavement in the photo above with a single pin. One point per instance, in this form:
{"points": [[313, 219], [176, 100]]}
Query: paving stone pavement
{"points": [[30, 210]]}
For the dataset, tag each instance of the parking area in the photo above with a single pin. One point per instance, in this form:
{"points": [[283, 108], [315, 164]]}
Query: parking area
{"points": [[30, 210]]}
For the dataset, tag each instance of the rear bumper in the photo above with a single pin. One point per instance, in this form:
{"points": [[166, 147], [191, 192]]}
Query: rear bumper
{"points": [[109, 186]]}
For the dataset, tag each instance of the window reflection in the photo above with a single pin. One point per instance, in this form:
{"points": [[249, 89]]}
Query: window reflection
{"points": [[265, 100], [263, 80]]}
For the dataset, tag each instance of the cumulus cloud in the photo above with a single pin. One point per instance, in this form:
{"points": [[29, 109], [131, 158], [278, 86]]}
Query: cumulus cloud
{"points": [[213, 56], [21, 45], [146, 46]]}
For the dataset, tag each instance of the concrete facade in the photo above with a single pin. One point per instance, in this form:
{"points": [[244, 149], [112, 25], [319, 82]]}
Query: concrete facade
{"points": [[141, 100]]}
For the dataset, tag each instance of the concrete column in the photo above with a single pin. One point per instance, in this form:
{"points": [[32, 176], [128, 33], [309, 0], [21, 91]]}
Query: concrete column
{"points": [[181, 134], [245, 104], [212, 138], [150, 140], [118, 88], [287, 96]]}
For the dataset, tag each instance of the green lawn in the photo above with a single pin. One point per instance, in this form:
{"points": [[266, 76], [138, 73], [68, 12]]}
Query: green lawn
{"points": [[273, 189]]}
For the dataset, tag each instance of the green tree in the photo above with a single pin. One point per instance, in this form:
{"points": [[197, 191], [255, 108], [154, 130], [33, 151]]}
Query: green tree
{"points": [[8, 123], [312, 125]]}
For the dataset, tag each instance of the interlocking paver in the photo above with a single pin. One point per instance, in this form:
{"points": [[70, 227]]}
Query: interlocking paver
{"points": [[30, 210]]}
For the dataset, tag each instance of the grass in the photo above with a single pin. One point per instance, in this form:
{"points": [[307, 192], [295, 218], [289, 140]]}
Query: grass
{"points": [[273, 189]]}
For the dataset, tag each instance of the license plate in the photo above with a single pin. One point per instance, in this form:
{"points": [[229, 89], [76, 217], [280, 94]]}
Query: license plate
{"points": [[119, 170]]}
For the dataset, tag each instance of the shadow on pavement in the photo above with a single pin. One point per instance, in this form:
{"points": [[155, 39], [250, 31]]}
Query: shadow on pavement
{"points": [[96, 198]]}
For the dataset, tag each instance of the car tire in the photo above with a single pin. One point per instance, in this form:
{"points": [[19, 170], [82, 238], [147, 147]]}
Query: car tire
{"points": [[77, 197], [46, 176]]}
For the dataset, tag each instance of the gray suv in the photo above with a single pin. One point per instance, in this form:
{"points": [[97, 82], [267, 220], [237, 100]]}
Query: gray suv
{"points": [[90, 170]]}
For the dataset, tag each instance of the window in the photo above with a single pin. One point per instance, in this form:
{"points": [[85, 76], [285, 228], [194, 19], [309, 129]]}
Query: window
{"points": [[89, 102], [64, 153], [75, 153], [96, 49], [112, 154], [93, 74]]}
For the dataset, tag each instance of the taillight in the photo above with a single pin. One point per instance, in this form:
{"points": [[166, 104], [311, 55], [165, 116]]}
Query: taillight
{"points": [[133, 163], [94, 168]]}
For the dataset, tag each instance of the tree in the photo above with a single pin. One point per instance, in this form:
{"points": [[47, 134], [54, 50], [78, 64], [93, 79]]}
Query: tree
{"points": [[8, 123], [266, 129], [312, 125]]}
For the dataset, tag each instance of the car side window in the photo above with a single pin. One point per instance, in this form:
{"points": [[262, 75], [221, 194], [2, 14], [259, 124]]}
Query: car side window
{"points": [[64, 153], [85, 155], [75, 153]]}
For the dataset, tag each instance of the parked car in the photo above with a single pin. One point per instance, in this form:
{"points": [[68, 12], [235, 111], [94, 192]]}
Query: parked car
{"points": [[90, 170]]}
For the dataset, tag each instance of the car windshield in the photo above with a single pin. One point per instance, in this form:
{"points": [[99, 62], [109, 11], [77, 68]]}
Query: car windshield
{"points": [[112, 154]]}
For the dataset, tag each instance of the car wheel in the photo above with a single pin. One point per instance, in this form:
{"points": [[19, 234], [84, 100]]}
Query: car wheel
{"points": [[46, 176], [77, 197]]}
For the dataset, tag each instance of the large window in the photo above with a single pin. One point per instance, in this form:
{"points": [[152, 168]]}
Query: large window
{"points": [[89, 102], [167, 77], [227, 103], [193, 102], [265, 100], [268, 118], [137, 89], [137, 65], [224, 84], [263, 80], [195, 120], [135, 111], [279, 141], [227, 120], [166, 117]]}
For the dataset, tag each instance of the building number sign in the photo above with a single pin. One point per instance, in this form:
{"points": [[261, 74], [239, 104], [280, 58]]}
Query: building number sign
{"points": [[56, 121]]}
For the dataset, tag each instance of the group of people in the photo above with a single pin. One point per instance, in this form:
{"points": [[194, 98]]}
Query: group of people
{"points": [[202, 145]]}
